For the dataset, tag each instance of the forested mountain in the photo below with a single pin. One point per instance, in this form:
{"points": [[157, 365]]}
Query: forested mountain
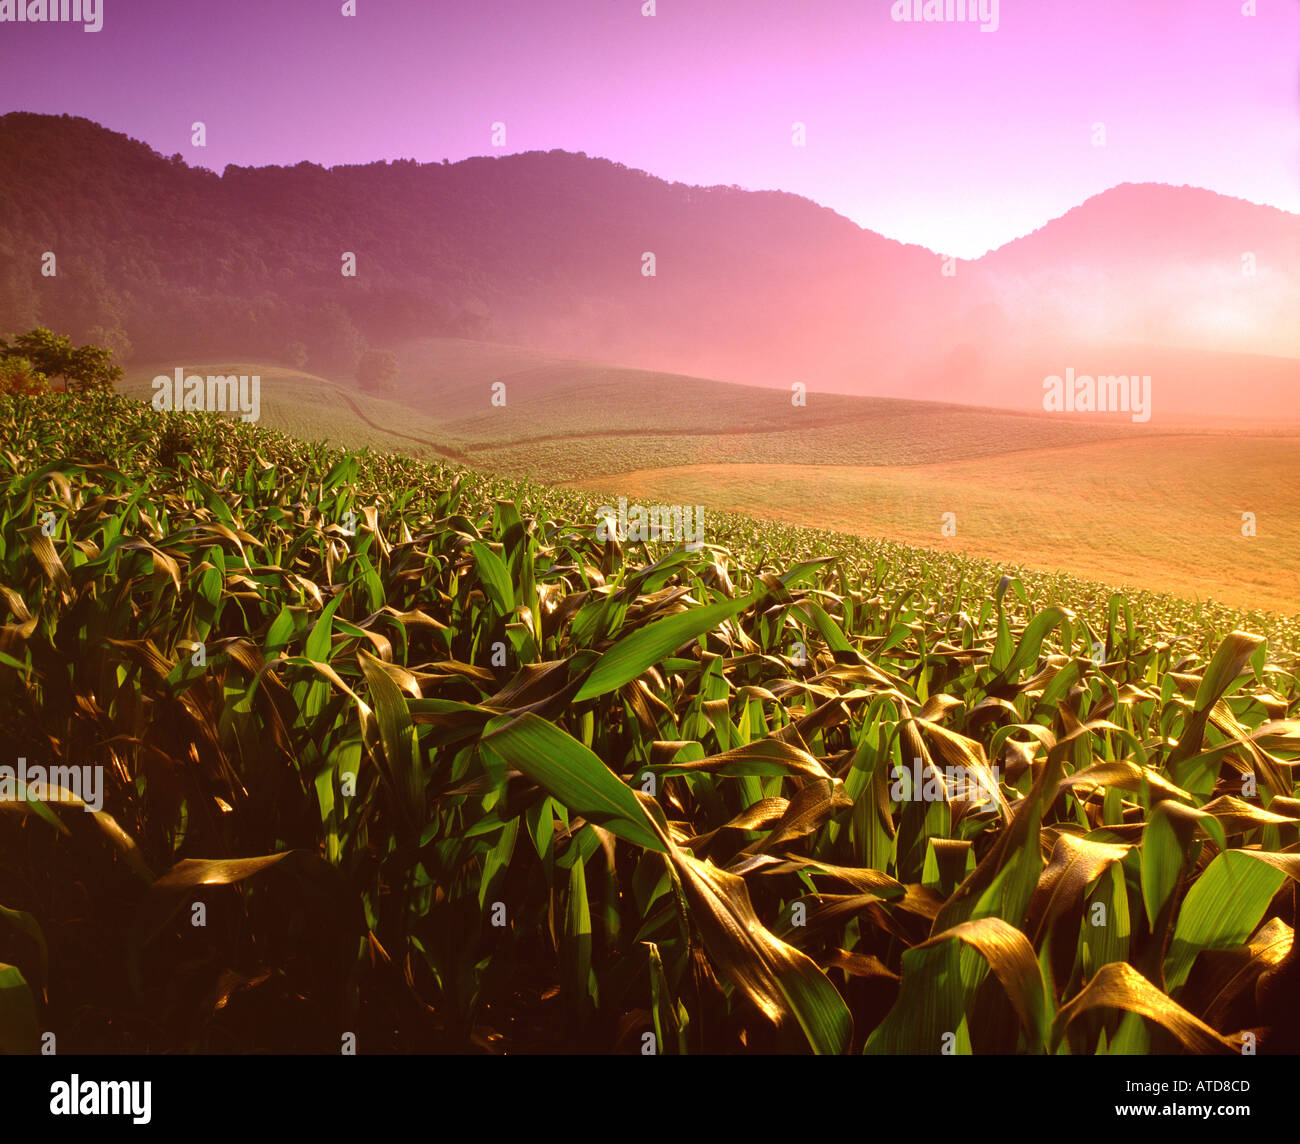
{"points": [[155, 257]]}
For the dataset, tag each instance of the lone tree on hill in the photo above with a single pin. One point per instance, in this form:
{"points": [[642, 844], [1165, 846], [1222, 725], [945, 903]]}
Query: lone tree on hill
{"points": [[295, 354], [82, 368], [377, 370]]}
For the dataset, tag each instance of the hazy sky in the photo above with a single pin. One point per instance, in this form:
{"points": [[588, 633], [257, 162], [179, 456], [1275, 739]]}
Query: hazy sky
{"points": [[935, 133]]}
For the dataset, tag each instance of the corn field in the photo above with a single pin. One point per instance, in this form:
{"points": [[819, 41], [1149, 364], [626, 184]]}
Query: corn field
{"points": [[403, 752]]}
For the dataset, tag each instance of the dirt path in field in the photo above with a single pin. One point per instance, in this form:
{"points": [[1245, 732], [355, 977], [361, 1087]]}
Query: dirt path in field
{"points": [[442, 450]]}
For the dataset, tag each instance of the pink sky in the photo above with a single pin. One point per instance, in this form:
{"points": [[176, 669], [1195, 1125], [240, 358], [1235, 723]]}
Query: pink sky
{"points": [[938, 134]]}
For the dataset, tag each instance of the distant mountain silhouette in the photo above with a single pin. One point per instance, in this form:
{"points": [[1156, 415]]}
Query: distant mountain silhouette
{"points": [[548, 250]]}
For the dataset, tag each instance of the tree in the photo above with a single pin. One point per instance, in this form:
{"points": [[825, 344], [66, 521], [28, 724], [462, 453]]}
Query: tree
{"points": [[112, 338], [82, 368], [377, 370], [18, 375], [336, 343], [295, 355]]}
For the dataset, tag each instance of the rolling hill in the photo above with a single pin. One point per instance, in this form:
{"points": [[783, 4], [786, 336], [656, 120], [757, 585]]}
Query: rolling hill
{"points": [[548, 251], [1124, 504], [565, 418]]}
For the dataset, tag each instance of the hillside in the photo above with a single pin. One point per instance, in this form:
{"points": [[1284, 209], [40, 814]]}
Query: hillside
{"points": [[545, 250], [310, 407], [566, 418], [1109, 500]]}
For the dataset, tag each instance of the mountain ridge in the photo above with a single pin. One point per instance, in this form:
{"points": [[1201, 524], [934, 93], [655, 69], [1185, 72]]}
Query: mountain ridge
{"points": [[584, 256]]}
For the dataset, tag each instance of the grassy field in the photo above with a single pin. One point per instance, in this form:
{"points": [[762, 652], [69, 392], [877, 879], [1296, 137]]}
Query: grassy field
{"points": [[446, 770]]}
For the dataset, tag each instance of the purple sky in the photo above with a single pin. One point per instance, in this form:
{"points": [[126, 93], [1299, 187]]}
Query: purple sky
{"points": [[934, 133]]}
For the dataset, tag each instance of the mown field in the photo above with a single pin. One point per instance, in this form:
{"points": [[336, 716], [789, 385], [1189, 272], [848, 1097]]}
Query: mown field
{"points": [[448, 772], [1165, 513]]}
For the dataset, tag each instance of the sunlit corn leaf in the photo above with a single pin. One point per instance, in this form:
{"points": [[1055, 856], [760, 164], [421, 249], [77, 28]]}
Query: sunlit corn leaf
{"points": [[762, 757], [576, 946], [781, 981], [571, 772], [1224, 906], [1120, 986], [1031, 643], [1003, 883], [940, 981], [669, 1031], [400, 746], [495, 578], [174, 888], [634, 653], [1220, 978], [1165, 842], [1075, 864]]}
